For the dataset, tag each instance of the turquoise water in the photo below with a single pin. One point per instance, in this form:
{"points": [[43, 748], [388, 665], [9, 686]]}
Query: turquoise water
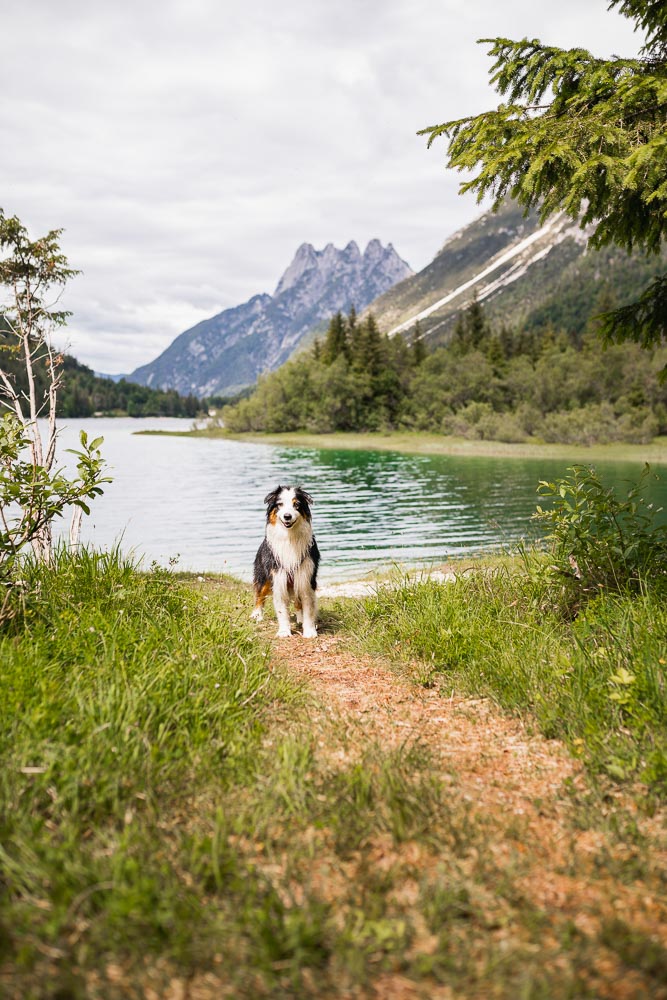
{"points": [[201, 501]]}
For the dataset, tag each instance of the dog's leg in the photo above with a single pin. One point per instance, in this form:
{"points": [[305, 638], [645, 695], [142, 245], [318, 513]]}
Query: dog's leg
{"points": [[261, 594], [309, 615], [298, 607], [281, 605]]}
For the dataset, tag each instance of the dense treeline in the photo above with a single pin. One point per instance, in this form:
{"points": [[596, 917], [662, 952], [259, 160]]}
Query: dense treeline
{"points": [[494, 383], [84, 394]]}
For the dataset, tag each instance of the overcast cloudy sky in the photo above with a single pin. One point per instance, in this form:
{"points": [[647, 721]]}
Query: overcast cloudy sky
{"points": [[187, 147]]}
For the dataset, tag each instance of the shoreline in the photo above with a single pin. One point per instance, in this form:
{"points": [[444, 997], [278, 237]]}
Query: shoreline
{"points": [[415, 443]]}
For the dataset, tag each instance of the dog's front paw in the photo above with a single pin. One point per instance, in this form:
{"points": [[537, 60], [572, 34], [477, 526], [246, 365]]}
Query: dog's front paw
{"points": [[309, 632], [257, 615], [284, 633]]}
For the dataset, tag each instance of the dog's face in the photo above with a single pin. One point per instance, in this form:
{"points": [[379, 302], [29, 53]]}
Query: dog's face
{"points": [[287, 505]]}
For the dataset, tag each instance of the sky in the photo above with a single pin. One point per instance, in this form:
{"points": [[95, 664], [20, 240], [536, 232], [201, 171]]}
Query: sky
{"points": [[188, 147]]}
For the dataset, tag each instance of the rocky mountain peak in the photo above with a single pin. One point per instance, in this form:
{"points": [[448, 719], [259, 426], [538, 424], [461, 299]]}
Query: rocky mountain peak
{"points": [[375, 250], [228, 351], [304, 259], [317, 267]]}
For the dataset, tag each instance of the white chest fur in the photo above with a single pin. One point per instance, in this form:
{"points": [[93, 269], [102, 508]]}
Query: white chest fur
{"points": [[290, 545]]}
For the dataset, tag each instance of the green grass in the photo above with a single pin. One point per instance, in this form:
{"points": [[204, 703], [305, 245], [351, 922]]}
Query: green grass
{"points": [[163, 812], [175, 808], [121, 698], [598, 682]]}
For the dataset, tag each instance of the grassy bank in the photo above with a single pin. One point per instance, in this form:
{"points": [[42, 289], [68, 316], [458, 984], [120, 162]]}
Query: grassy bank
{"points": [[123, 702], [436, 444], [181, 816], [598, 682]]}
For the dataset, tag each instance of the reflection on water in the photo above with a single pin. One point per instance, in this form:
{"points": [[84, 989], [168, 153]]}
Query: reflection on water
{"points": [[202, 500]]}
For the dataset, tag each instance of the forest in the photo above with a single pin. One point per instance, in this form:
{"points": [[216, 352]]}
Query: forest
{"points": [[490, 381], [84, 394]]}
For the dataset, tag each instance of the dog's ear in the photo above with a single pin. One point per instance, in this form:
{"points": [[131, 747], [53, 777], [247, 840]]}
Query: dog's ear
{"points": [[302, 496], [271, 499], [303, 501]]}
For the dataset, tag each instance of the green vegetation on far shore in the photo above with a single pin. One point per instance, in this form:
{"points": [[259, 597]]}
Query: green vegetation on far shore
{"points": [[423, 443], [488, 383]]}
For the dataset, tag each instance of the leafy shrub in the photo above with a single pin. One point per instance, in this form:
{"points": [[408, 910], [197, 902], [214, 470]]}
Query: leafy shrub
{"points": [[32, 495], [599, 540], [597, 423], [479, 421], [587, 425]]}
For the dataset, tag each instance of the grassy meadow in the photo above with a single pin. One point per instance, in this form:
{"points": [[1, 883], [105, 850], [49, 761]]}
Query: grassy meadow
{"points": [[182, 816]]}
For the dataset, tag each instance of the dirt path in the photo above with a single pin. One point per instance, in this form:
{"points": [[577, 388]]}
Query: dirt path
{"points": [[588, 881]]}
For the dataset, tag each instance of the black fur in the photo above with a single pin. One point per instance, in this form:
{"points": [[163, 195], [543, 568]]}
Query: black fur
{"points": [[314, 554], [285, 579], [265, 565]]}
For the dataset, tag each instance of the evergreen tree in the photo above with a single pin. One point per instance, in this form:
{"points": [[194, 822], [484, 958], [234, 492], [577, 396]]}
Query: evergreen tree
{"points": [[336, 341], [472, 330], [418, 346], [367, 347], [585, 136], [506, 338], [495, 354], [477, 327]]}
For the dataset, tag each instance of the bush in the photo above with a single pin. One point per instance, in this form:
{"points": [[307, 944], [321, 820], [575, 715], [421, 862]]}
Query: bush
{"points": [[599, 540], [32, 495], [587, 425], [479, 421]]}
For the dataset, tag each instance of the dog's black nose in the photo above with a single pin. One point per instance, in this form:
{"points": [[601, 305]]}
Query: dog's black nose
{"points": [[287, 517]]}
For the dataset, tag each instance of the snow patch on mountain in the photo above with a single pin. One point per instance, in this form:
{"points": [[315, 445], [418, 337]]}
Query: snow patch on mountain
{"points": [[521, 256]]}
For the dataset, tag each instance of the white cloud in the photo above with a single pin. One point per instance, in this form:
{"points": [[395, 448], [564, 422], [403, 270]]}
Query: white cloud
{"points": [[187, 149]]}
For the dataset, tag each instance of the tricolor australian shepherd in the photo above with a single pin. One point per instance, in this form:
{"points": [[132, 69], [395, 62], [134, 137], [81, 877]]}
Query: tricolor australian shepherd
{"points": [[287, 560]]}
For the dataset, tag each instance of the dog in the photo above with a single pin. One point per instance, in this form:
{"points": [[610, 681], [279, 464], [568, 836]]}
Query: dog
{"points": [[287, 561]]}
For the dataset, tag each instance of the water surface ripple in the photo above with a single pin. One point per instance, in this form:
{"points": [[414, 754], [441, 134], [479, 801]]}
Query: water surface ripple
{"points": [[201, 501]]}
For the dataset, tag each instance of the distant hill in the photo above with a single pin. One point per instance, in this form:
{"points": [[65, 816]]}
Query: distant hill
{"points": [[524, 273], [224, 354], [84, 394]]}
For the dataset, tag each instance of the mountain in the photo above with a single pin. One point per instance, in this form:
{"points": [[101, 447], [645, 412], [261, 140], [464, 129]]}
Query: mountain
{"points": [[224, 354], [525, 273]]}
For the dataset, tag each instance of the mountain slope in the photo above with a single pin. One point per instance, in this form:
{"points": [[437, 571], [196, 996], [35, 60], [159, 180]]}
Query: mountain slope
{"points": [[524, 273], [226, 353]]}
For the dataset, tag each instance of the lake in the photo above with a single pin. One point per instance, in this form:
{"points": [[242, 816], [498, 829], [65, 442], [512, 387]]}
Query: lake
{"points": [[200, 501]]}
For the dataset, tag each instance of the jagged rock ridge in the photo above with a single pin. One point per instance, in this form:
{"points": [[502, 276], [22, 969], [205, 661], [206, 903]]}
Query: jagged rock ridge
{"points": [[226, 353]]}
